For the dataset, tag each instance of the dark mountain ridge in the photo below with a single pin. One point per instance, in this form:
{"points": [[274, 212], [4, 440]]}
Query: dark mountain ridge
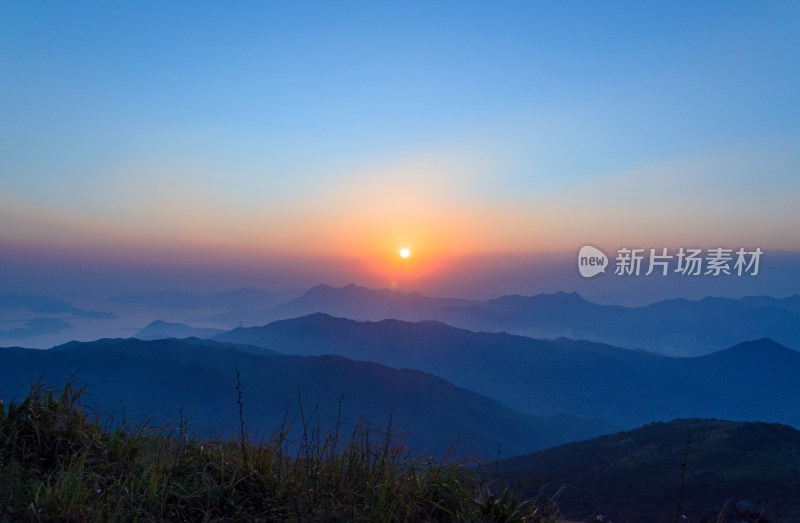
{"points": [[738, 469], [159, 379], [542, 377]]}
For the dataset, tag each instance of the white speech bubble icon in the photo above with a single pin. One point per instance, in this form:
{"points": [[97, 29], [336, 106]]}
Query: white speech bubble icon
{"points": [[591, 261]]}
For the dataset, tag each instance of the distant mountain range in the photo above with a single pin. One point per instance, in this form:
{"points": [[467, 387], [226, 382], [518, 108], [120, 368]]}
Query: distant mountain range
{"points": [[362, 303], [156, 379], [35, 327], [750, 381], [238, 299], [29, 316], [351, 301], [46, 305], [792, 303], [159, 330], [677, 327], [734, 472], [40, 304]]}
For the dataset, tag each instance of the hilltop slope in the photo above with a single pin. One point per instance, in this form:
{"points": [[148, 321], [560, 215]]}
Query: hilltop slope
{"points": [[636, 475]]}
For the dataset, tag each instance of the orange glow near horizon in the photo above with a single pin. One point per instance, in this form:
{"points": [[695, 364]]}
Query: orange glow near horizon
{"points": [[430, 257], [365, 224]]}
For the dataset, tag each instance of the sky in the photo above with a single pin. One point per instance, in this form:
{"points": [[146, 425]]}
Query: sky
{"points": [[209, 145]]}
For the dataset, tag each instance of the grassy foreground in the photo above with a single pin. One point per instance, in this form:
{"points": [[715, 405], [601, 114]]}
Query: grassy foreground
{"points": [[58, 463]]}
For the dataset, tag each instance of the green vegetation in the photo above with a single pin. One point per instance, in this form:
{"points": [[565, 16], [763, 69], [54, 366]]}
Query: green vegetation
{"points": [[59, 463]]}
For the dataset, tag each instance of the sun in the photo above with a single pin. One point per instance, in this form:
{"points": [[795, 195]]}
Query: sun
{"points": [[405, 253]]}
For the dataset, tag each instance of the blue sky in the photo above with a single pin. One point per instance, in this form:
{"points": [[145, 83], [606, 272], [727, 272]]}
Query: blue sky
{"points": [[314, 129]]}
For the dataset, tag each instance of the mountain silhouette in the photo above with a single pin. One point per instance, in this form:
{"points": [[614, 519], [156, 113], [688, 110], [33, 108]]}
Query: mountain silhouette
{"points": [[41, 304], [351, 301], [636, 475], [15, 303], [36, 327], [790, 303], [159, 379], [541, 377], [677, 327], [161, 329]]}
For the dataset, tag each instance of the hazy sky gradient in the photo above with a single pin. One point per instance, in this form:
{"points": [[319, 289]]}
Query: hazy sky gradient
{"points": [[280, 133]]}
